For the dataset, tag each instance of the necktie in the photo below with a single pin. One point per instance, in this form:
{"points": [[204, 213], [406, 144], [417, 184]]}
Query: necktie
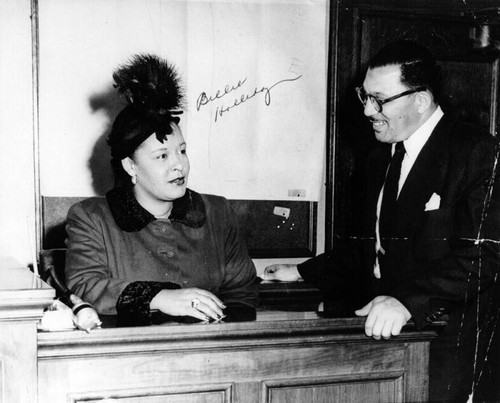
{"points": [[390, 196]]}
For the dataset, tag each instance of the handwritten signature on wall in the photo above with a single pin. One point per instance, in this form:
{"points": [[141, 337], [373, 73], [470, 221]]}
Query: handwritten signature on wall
{"points": [[222, 108]]}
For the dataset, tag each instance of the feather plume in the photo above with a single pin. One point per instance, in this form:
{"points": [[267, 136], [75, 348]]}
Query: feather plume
{"points": [[151, 85]]}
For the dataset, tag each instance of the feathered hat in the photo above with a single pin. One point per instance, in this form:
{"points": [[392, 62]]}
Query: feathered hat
{"points": [[152, 89]]}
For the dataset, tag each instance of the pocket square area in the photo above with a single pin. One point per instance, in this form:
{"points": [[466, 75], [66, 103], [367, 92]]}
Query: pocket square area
{"points": [[433, 203]]}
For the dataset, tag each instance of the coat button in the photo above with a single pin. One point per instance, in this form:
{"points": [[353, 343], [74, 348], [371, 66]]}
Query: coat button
{"points": [[163, 229]]}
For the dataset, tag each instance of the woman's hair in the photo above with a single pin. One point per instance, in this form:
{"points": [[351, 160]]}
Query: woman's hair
{"points": [[418, 65], [152, 89]]}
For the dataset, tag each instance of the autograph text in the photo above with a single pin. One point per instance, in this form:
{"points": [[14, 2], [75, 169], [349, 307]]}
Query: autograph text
{"points": [[220, 110]]}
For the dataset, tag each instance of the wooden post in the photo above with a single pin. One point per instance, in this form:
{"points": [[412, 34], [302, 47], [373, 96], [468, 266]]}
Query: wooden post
{"points": [[23, 297]]}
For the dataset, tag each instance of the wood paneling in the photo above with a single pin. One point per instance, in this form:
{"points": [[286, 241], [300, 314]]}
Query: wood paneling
{"points": [[193, 394], [18, 361], [374, 387], [282, 357]]}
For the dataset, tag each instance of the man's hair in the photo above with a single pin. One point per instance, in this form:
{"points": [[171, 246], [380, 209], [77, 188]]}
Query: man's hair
{"points": [[418, 65]]}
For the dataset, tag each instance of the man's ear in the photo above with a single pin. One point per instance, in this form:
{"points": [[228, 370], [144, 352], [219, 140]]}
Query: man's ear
{"points": [[129, 166], [424, 101]]}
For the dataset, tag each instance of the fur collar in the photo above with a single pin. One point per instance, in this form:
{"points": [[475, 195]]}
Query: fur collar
{"points": [[131, 216]]}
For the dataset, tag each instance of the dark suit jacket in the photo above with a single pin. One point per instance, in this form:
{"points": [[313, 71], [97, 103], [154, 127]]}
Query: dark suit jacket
{"points": [[443, 263]]}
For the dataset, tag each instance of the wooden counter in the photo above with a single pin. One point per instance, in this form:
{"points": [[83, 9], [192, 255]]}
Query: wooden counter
{"points": [[281, 357]]}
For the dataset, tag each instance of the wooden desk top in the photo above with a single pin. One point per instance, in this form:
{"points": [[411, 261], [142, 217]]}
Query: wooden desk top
{"points": [[22, 294], [270, 328], [17, 278]]}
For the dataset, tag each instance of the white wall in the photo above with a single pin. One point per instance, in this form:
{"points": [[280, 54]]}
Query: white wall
{"points": [[17, 188], [17, 134], [263, 148]]}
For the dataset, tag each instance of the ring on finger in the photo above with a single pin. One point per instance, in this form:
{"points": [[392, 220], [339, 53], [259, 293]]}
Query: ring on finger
{"points": [[195, 302]]}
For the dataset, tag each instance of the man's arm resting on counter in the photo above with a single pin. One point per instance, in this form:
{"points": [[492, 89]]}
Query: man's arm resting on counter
{"points": [[282, 272]]}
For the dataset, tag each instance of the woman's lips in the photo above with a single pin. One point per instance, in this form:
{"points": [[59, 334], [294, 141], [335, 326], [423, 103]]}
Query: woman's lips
{"points": [[178, 181]]}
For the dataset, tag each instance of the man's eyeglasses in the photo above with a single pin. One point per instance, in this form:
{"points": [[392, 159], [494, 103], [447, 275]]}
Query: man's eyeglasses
{"points": [[377, 103]]}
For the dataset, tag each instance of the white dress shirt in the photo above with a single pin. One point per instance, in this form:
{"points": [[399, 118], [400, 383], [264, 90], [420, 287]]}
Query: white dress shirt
{"points": [[413, 146]]}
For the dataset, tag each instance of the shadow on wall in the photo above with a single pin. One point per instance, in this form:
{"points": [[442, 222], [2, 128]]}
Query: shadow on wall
{"points": [[109, 103]]}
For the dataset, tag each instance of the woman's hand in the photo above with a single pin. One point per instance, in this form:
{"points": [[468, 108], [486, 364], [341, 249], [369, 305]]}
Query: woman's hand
{"points": [[281, 272], [195, 302]]}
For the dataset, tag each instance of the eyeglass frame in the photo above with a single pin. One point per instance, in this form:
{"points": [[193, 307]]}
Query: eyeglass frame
{"points": [[378, 105]]}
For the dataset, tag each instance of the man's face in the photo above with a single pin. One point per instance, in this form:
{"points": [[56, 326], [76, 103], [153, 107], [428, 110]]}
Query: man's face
{"points": [[398, 119]]}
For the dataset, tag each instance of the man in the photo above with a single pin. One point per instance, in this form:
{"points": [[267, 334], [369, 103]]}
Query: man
{"points": [[430, 244]]}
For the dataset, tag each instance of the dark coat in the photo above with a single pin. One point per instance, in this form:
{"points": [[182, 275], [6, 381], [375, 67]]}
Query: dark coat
{"points": [[442, 264], [118, 249]]}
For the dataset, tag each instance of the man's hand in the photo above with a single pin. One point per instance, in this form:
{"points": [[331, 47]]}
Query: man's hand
{"points": [[281, 272], [385, 317]]}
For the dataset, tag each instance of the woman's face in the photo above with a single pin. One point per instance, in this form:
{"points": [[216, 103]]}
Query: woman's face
{"points": [[161, 170]]}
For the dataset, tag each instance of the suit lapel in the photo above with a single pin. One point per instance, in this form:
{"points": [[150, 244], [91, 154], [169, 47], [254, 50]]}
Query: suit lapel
{"points": [[424, 179]]}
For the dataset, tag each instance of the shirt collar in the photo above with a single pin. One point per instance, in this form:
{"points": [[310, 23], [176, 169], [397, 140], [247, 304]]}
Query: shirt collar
{"points": [[415, 143], [131, 216]]}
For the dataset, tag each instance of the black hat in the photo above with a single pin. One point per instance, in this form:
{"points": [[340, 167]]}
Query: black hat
{"points": [[154, 95]]}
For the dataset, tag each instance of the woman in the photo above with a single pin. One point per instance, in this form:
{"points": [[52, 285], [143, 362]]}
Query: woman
{"points": [[153, 249]]}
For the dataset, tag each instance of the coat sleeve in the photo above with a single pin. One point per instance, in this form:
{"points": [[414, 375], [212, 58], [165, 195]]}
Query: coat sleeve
{"points": [[239, 287], [342, 273], [471, 265], [338, 272]]}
